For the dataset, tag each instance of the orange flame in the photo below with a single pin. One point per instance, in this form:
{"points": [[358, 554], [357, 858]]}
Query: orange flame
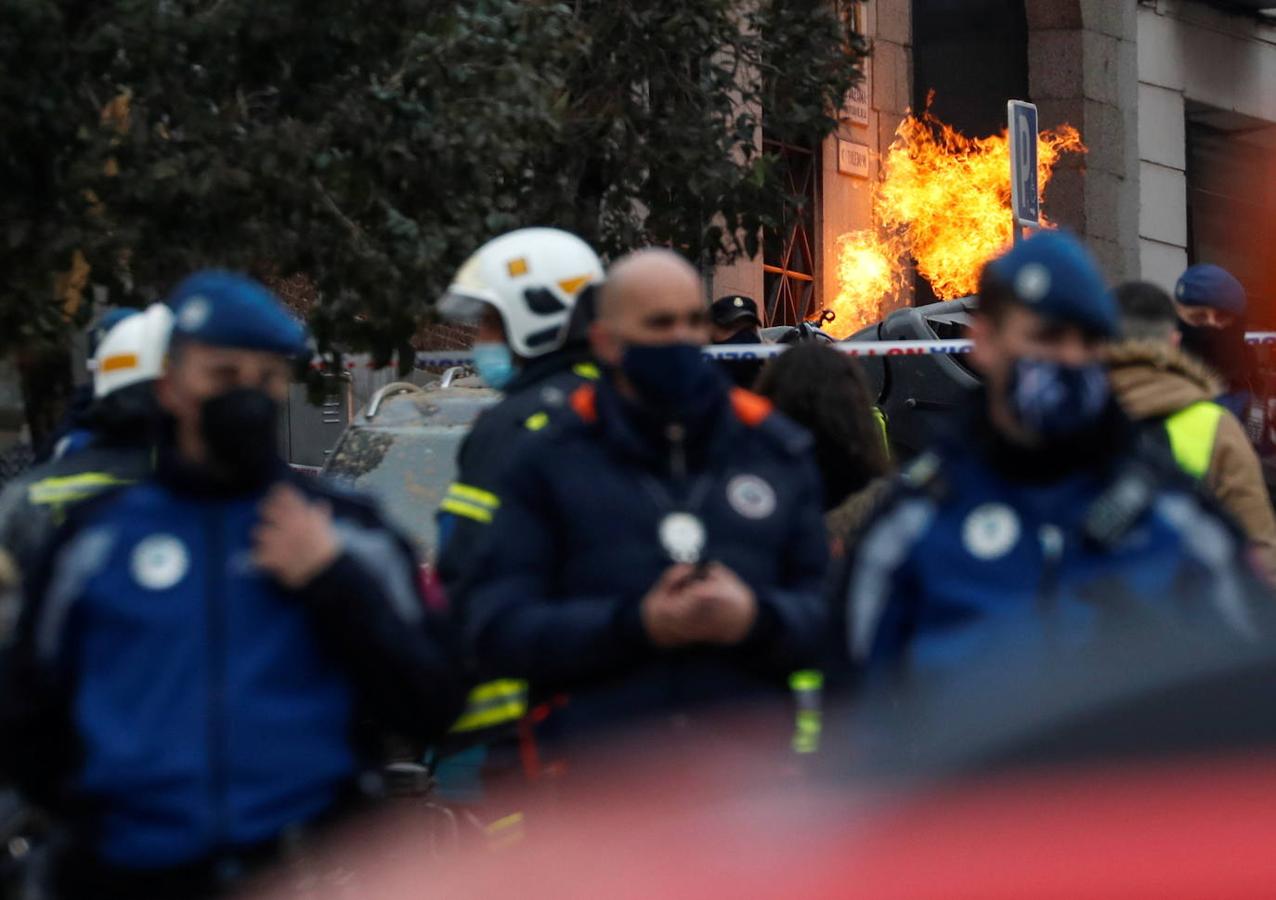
{"points": [[944, 201]]}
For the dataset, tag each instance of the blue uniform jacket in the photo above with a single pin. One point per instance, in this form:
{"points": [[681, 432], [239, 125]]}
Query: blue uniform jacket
{"points": [[574, 549], [173, 702], [538, 394], [967, 557]]}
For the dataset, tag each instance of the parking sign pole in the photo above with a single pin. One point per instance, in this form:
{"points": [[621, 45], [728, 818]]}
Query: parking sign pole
{"points": [[1025, 201]]}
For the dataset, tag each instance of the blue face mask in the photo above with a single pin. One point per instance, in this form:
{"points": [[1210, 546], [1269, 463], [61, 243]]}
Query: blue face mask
{"points": [[671, 379], [495, 364], [1052, 400]]}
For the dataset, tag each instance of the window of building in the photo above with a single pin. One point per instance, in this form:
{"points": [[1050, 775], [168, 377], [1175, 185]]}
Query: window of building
{"points": [[789, 263], [1231, 201]]}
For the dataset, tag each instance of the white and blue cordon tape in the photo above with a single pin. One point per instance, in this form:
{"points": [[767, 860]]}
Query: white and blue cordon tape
{"points": [[446, 358]]}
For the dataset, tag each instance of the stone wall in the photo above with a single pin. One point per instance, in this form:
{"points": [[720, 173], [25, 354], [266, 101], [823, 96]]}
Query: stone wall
{"points": [[846, 203], [1083, 70], [1189, 52]]}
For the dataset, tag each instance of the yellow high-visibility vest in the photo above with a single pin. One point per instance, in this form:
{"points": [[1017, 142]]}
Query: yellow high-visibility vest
{"points": [[1192, 431]]}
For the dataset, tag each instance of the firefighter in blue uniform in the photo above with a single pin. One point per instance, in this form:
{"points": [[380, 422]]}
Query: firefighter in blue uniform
{"points": [[661, 549], [1049, 517], [519, 290], [77, 429], [207, 659], [124, 420]]}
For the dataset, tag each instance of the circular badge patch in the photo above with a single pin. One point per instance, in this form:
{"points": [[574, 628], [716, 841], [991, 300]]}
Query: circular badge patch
{"points": [[159, 562], [751, 496], [194, 314], [1032, 283], [990, 531]]}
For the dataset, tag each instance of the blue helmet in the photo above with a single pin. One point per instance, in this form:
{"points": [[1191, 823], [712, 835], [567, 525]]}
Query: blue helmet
{"points": [[226, 309], [1206, 284], [1052, 273]]}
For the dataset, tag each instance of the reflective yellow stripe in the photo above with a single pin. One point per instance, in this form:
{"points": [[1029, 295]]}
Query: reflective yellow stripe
{"points": [[806, 680], [68, 488], [471, 494], [501, 687], [505, 832], [806, 734], [807, 686], [493, 703], [500, 714], [1192, 431], [881, 423], [536, 421], [466, 510], [587, 370]]}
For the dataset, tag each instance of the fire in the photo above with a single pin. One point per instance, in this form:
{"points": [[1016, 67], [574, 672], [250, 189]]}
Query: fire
{"points": [[944, 202]]}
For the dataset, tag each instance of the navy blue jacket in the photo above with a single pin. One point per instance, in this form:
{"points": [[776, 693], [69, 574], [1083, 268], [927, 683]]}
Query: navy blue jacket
{"points": [[574, 549], [983, 548], [173, 702], [537, 394]]}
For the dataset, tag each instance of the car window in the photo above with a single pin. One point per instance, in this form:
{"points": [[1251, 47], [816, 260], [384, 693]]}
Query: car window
{"points": [[407, 470]]}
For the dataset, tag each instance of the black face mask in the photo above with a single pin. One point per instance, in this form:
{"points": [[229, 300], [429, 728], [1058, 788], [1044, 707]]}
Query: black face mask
{"points": [[746, 335], [239, 428], [673, 381], [742, 372], [1222, 349]]}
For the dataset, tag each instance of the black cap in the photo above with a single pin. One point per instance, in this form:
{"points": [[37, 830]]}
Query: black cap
{"points": [[733, 308]]}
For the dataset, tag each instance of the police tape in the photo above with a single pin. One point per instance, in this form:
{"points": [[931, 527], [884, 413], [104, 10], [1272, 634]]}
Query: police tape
{"points": [[445, 359], [850, 348]]}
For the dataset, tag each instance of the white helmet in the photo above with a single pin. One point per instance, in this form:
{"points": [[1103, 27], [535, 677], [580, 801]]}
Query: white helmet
{"points": [[532, 277], [133, 351]]}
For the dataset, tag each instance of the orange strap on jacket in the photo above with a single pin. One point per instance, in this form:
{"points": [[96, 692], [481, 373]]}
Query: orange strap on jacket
{"points": [[748, 407], [584, 402]]}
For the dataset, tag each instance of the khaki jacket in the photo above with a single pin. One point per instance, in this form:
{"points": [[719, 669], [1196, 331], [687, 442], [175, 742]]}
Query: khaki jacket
{"points": [[1154, 380]]}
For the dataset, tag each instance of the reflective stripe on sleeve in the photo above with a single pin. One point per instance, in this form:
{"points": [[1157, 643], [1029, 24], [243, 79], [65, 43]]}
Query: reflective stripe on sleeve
{"points": [[466, 510], [470, 502], [71, 488], [493, 703], [473, 495]]}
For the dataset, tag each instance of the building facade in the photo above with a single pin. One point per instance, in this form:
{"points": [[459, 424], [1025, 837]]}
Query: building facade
{"points": [[1175, 101]]}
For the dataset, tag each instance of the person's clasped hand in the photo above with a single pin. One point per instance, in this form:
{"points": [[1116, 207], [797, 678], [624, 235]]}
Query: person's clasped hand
{"points": [[687, 606], [295, 539]]}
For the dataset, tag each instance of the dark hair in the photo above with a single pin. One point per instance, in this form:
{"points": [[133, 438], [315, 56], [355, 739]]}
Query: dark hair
{"points": [[1147, 312], [824, 392]]}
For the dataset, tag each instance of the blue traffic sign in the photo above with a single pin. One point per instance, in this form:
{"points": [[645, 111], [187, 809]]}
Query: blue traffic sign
{"points": [[1024, 199]]}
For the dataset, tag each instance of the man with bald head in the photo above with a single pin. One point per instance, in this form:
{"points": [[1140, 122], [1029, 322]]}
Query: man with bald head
{"points": [[661, 550]]}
